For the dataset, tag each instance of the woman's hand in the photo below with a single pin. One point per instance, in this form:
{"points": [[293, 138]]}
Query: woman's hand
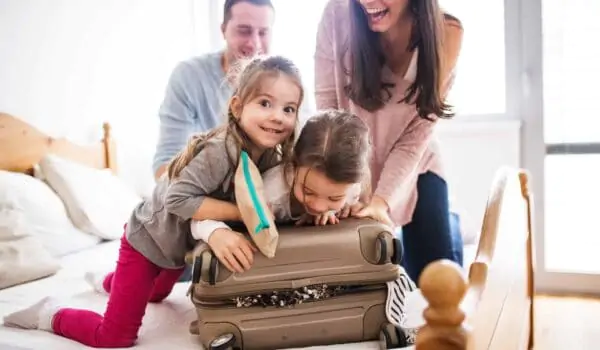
{"points": [[377, 209], [232, 249]]}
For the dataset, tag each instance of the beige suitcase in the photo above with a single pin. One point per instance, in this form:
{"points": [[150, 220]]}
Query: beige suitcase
{"points": [[325, 285]]}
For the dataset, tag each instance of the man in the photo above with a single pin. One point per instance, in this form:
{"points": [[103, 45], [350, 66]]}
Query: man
{"points": [[198, 91]]}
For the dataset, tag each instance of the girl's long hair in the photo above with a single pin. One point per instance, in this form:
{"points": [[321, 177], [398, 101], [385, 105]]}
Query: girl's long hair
{"points": [[367, 88]]}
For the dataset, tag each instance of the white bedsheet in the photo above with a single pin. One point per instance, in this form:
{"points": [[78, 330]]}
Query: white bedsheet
{"points": [[164, 326]]}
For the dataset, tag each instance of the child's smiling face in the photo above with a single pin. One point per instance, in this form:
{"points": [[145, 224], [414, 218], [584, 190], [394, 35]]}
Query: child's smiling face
{"points": [[270, 116], [317, 193]]}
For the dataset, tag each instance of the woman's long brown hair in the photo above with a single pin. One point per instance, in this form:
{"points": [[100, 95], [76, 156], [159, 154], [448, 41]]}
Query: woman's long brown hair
{"points": [[248, 81], [367, 88]]}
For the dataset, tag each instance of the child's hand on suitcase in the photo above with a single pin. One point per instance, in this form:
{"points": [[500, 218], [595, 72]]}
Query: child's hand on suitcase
{"points": [[327, 218], [319, 220], [232, 249]]}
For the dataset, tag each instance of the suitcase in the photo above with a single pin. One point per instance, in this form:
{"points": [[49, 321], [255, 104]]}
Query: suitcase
{"points": [[325, 285]]}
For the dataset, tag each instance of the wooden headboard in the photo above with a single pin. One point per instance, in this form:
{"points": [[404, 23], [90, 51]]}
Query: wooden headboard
{"points": [[22, 146]]}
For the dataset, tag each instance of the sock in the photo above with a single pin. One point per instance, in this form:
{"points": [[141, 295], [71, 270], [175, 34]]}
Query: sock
{"points": [[395, 305], [415, 305], [36, 316], [96, 280]]}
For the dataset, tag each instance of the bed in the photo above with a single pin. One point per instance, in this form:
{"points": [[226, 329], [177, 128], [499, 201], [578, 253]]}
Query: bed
{"points": [[490, 307]]}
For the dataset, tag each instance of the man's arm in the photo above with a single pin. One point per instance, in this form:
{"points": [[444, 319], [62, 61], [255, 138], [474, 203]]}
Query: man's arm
{"points": [[177, 119]]}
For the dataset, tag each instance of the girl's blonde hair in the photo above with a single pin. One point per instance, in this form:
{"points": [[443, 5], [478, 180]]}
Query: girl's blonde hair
{"points": [[247, 78]]}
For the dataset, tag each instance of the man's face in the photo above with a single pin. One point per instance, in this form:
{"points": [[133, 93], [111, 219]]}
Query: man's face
{"points": [[248, 31]]}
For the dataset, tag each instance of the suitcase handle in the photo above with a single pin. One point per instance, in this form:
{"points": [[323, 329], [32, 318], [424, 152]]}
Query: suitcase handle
{"points": [[382, 249], [398, 251], [386, 253], [213, 271], [205, 263], [196, 269]]}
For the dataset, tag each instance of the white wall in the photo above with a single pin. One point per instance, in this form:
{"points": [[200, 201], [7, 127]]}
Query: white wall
{"points": [[472, 153], [68, 65]]}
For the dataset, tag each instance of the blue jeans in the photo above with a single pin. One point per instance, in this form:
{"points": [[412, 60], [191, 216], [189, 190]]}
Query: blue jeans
{"points": [[434, 232]]}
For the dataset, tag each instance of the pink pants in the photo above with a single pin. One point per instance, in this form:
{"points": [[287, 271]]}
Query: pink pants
{"points": [[135, 282]]}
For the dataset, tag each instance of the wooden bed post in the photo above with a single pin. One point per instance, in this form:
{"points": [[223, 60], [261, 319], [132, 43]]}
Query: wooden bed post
{"points": [[526, 193], [459, 314], [109, 151], [443, 285]]}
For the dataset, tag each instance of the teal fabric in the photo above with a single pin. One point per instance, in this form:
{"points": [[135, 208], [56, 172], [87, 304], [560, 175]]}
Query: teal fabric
{"points": [[263, 222]]}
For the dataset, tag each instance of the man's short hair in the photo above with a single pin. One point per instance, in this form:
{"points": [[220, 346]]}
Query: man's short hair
{"points": [[229, 4]]}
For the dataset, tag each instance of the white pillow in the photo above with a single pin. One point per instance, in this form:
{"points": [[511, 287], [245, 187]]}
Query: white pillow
{"points": [[23, 258], [97, 201], [43, 211]]}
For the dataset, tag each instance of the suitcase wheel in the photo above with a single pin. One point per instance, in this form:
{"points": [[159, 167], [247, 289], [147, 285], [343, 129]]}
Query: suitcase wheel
{"points": [[391, 337], [205, 265], [223, 342], [398, 252], [384, 253]]}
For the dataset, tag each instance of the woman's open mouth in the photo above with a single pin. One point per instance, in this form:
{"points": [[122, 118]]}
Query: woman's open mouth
{"points": [[377, 14]]}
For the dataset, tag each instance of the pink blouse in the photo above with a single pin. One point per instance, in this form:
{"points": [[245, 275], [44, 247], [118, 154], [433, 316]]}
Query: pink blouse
{"points": [[403, 146]]}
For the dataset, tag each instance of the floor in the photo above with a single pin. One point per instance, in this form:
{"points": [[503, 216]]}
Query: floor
{"points": [[567, 323]]}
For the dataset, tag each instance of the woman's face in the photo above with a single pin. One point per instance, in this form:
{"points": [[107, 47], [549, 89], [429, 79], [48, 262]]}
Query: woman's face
{"points": [[383, 14]]}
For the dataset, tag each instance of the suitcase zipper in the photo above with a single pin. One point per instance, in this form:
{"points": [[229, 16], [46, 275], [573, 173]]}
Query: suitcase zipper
{"points": [[284, 286], [266, 299]]}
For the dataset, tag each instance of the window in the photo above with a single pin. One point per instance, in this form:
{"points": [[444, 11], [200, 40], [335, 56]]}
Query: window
{"points": [[571, 134], [571, 232], [295, 35], [571, 71]]}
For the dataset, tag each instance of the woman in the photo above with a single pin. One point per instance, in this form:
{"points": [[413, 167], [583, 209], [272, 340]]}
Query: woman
{"points": [[391, 62]]}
